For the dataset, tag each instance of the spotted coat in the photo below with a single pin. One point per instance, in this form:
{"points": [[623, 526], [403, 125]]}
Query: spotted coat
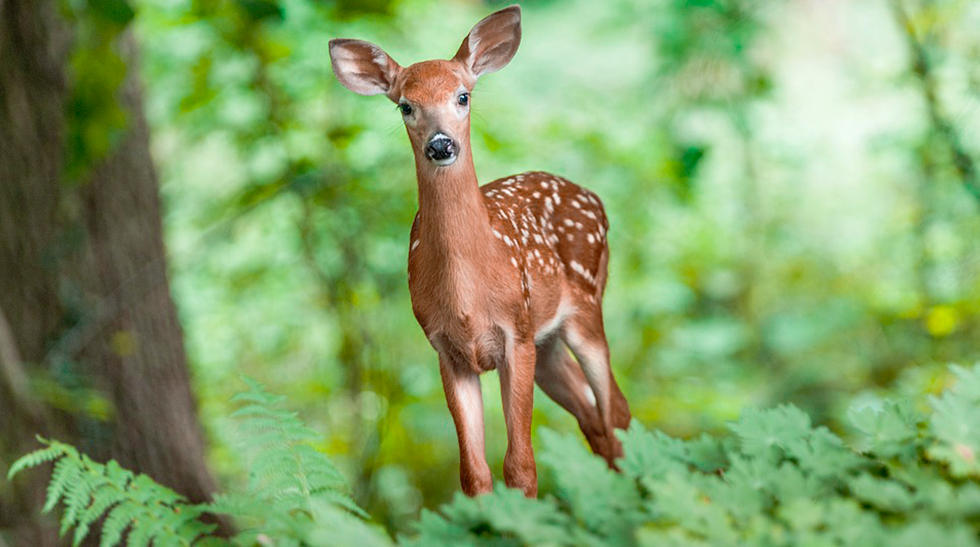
{"points": [[551, 227]]}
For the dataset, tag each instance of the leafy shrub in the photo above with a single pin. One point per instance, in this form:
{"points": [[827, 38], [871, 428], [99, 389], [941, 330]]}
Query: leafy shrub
{"points": [[909, 480]]}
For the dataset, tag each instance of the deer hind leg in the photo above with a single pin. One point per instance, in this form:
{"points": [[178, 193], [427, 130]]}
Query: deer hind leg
{"points": [[586, 338], [461, 384], [561, 378]]}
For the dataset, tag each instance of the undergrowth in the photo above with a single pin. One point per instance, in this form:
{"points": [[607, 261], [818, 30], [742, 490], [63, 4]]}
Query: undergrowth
{"points": [[910, 479]]}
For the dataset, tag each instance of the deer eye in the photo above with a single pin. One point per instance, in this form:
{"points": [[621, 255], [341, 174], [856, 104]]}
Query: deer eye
{"points": [[464, 99], [405, 108]]}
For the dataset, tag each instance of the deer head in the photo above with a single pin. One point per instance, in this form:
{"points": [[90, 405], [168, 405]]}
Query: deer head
{"points": [[433, 97]]}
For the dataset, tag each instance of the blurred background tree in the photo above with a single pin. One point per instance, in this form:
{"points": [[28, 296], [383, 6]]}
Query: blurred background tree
{"points": [[90, 346], [791, 186]]}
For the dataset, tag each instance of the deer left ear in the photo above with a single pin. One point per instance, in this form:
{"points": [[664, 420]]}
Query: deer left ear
{"points": [[492, 43]]}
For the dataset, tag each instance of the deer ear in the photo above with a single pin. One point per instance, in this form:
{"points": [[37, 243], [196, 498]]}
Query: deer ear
{"points": [[492, 43], [363, 67]]}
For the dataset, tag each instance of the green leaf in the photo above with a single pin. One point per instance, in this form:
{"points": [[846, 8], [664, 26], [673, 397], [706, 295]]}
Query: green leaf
{"points": [[338, 527], [928, 532], [890, 429], [762, 432], [606, 502], [650, 454], [706, 453], [679, 500], [436, 531], [506, 512], [956, 424], [887, 495], [823, 454]]}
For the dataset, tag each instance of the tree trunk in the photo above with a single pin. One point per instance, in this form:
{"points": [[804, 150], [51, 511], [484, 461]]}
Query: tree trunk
{"points": [[84, 299]]}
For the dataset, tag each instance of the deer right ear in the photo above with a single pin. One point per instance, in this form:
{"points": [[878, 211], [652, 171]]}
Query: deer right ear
{"points": [[363, 67], [492, 43]]}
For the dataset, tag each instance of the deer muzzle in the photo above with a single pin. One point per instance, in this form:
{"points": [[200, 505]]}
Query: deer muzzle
{"points": [[441, 149]]}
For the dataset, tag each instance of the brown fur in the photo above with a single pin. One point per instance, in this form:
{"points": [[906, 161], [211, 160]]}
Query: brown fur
{"points": [[504, 276]]}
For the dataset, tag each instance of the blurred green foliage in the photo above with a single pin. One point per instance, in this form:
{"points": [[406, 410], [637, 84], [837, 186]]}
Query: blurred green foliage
{"points": [[96, 71], [790, 219], [778, 481]]}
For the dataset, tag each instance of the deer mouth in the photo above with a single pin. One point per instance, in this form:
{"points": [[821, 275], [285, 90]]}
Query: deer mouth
{"points": [[444, 162]]}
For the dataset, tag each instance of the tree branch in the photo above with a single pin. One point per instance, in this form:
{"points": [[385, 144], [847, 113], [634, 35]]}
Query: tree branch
{"points": [[962, 162]]}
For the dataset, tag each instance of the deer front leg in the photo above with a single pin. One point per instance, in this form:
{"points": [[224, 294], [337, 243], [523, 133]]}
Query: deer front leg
{"points": [[517, 389], [462, 387]]}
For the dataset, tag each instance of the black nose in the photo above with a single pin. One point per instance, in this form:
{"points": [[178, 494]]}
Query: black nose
{"points": [[440, 148]]}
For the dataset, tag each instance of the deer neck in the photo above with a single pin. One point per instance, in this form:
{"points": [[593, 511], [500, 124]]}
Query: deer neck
{"points": [[453, 218]]}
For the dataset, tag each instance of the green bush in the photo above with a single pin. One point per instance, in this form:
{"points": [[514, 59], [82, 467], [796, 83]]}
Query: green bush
{"points": [[910, 479]]}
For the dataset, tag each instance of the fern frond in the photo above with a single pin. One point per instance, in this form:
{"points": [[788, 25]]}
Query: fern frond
{"points": [[89, 491], [104, 496], [142, 531], [284, 468], [291, 486], [53, 451], [120, 517], [257, 394], [338, 527], [78, 493], [66, 472]]}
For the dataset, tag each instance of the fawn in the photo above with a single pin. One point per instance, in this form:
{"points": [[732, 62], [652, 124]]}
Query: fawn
{"points": [[503, 276]]}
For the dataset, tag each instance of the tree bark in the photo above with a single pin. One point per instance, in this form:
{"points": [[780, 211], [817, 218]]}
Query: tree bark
{"points": [[84, 297]]}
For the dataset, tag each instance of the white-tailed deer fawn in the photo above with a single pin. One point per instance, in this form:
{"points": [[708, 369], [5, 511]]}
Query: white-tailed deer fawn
{"points": [[502, 276]]}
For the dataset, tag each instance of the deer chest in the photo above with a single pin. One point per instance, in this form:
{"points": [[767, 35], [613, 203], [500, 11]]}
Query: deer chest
{"points": [[458, 323], [486, 350]]}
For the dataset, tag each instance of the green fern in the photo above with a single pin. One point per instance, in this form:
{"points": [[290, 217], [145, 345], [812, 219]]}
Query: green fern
{"points": [[288, 478], [89, 491], [292, 487]]}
